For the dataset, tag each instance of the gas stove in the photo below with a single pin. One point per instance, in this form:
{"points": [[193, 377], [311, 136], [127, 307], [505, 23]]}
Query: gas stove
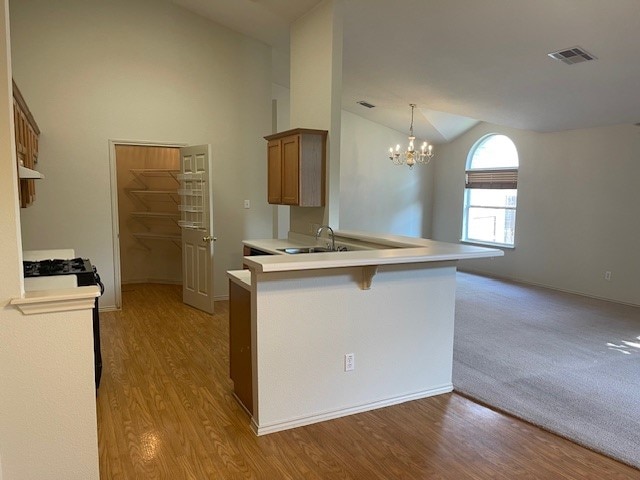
{"points": [[81, 267], [87, 275]]}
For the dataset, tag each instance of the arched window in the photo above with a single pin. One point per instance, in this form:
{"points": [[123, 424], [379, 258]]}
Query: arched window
{"points": [[491, 192]]}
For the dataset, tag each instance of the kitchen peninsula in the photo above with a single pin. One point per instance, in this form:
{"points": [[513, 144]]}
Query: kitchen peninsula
{"points": [[337, 333]]}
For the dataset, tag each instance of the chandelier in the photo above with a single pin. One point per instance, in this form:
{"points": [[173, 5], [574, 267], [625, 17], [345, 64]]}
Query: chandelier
{"points": [[411, 156]]}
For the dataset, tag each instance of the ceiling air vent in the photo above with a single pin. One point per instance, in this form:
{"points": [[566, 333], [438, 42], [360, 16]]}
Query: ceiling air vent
{"points": [[365, 104], [572, 55]]}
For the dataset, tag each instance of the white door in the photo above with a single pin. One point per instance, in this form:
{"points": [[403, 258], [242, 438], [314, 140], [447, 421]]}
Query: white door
{"points": [[196, 206]]}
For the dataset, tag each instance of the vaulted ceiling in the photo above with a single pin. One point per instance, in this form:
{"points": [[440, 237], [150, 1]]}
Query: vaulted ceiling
{"points": [[463, 61]]}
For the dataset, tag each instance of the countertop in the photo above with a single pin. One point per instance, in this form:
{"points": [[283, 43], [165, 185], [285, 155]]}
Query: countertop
{"points": [[388, 249], [240, 277]]}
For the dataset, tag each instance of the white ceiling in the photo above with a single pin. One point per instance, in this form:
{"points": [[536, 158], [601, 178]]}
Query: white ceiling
{"points": [[461, 60]]}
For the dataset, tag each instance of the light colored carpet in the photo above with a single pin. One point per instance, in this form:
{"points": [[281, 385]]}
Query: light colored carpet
{"points": [[567, 363]]}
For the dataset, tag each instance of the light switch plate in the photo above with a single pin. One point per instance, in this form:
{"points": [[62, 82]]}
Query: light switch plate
{"points": [[349, 362]]}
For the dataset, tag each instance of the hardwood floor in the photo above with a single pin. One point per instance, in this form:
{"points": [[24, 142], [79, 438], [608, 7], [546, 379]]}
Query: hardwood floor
{"points": [[165, 411]]}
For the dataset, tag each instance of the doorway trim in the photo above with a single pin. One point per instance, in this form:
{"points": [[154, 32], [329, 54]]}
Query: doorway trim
{"points": [[115, 221]]}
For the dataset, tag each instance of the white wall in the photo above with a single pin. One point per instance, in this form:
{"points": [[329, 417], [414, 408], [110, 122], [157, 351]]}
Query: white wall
{"points": [[316, 95], [10, 258], [375, 195], [281, 123], [576, 217], [139, 70], [47, 398]]}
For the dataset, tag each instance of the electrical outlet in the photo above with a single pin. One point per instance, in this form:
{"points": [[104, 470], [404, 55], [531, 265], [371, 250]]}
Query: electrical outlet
{"points": [[247, 204], [349, 362], [607, 276]]}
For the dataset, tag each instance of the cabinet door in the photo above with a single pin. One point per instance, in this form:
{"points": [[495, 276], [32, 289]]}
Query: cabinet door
{"points": [[26, 137], [291, 170], [274, 172]]}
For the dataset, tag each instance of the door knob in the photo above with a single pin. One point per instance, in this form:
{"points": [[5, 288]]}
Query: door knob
{"points": [[209, 238]]}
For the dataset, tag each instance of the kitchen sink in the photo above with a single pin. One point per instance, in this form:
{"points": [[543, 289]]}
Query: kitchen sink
{"points": [[295, 250]]}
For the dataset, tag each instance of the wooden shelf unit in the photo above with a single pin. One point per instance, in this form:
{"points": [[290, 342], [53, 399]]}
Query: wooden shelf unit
{"points": [[157, 236], [169, 215], [154, 172], [176, 239], [148, 216]]}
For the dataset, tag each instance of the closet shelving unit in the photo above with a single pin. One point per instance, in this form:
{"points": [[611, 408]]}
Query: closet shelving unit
{"points": [[169, 215], [153, 172], [149, 197], [158, 236], [141, 174]]}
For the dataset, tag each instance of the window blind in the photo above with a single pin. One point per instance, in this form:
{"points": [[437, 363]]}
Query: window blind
{"points": [[492, 179]]}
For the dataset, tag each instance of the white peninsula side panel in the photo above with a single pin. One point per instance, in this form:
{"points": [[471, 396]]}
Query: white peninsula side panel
{"points": [[305, 321], [48, 383]]}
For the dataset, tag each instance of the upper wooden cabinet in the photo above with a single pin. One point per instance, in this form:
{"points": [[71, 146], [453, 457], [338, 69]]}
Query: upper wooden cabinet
{"points": [[26, 132], [296, 167]]}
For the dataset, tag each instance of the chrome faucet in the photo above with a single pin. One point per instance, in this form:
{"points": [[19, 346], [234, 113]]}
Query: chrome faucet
{"points": [[333, 238]]}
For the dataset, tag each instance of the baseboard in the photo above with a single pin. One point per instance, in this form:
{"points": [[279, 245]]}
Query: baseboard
{"points": [[109, 308], [113, 308], [166, 281], [543, 285], [322, 417]]}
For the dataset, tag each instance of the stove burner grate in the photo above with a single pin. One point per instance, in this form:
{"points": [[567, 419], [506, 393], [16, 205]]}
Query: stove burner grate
{"points": [[45, 268]]}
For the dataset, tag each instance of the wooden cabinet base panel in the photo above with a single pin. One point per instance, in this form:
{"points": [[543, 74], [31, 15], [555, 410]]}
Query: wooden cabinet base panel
{"points": [[240, 365]]}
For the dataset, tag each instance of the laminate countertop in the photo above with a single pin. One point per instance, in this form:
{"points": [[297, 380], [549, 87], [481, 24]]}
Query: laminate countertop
{"points": [[364, 249]]}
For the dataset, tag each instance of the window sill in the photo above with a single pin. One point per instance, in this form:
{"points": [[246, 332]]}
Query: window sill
{"points": [[488, 244]]}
